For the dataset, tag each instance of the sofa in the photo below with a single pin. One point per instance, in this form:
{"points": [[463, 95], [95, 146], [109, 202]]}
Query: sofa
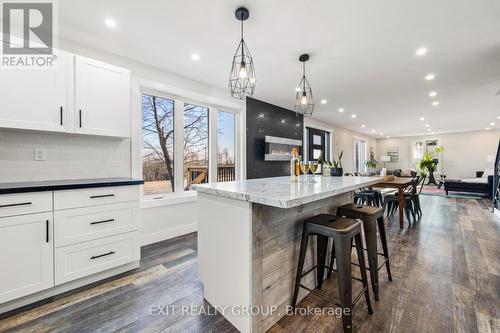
{"points": [[479, 185]]}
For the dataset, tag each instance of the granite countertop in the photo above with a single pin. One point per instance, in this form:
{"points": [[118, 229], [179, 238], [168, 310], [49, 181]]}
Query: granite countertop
{"points": [[280, 192], [54, 185]]}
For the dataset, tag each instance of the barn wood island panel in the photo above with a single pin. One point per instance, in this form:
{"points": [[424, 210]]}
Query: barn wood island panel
{"points": [[249, 237]]}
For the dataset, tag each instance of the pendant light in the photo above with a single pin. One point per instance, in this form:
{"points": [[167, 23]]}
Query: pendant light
{"points": [[304, 102], [242, 78]]}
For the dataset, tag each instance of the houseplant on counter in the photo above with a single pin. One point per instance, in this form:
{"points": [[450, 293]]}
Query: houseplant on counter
{"points": [[337, 169], [325, 165], [371, 165]]}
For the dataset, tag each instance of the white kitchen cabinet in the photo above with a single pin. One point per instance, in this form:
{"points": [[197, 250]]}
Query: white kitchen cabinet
{"points": [[102, 98], [38, 99], [26, 255]]}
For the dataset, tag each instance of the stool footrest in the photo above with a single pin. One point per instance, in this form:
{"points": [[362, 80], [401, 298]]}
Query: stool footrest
{"points": [[328, 299]]}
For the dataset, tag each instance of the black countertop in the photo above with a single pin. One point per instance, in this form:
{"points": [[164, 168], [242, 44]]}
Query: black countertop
{"points": [[55, 185]]}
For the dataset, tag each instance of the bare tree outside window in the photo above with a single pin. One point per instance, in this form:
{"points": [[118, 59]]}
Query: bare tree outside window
{"points": [[226, 146], [195, 145], [158, 144]]}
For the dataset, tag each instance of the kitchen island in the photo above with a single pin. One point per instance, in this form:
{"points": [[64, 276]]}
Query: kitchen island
{"points": [[249, 237]]}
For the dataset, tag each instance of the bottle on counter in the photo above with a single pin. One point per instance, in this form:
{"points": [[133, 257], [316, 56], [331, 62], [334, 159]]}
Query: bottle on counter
{"points": [[294, 166]]}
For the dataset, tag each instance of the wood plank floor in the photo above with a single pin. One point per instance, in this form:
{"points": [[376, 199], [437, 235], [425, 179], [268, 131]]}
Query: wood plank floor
{"points": [[446, 271]]}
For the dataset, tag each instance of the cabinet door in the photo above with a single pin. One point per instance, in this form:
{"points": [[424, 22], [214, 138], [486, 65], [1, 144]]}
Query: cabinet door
{"points": [[37, 99], [102, 98], [26, 255]]}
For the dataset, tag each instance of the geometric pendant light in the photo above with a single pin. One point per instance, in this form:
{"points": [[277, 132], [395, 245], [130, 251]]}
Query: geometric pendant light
{"points": [[242, 78], [304, 101]]}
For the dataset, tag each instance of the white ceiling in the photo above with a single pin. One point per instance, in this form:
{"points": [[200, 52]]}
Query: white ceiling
{"points": [[362, 53]]}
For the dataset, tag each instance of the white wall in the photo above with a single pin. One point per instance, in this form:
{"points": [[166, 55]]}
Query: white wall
{"points": [[343, 139], [465, 152]]}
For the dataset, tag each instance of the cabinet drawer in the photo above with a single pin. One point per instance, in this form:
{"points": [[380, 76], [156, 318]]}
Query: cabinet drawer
{"points": [[89, 223], [94, 196], [25, 203], [83, 259]]}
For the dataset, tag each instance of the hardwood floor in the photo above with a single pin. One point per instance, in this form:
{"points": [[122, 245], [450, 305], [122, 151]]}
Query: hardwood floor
{"points": [[446, 271]]}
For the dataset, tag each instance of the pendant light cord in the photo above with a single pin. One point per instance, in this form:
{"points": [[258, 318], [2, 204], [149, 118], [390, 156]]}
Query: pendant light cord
{"points": [[242, 43]]}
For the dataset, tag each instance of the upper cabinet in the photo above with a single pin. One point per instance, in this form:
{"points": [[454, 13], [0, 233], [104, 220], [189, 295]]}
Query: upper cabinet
{"points": [[102, 98], [37, 99], [80, 95]]}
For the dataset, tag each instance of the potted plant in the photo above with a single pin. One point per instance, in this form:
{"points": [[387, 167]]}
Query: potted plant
{"points": [[427, 166], [371, 164], [337, 169], [325, 165]]}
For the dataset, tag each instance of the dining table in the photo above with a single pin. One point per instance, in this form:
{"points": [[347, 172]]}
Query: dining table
{"points": [[399, 183]]}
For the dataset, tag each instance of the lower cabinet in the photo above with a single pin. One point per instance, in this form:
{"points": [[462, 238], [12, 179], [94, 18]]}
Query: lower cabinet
{"points": [[83, 259], [26, 255]]}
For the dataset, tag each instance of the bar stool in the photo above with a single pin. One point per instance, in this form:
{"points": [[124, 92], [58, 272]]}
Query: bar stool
{"points": [[372, 218], [342, 231]]}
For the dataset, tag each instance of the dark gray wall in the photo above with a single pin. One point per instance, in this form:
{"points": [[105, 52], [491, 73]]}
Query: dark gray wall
{"points": [[268, 119]]}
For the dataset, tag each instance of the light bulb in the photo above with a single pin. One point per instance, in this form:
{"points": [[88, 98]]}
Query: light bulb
{"points": [[303, 100], [243, 74]]}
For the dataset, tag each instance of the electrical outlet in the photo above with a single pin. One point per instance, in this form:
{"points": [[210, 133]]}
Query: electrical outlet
{"points": [[39, 154]]}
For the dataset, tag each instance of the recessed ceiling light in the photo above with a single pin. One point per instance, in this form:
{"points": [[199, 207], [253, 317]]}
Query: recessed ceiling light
{"points": [[436, 103], [422, 118], [195, 57], [428, 130], [492, 124], [430, 77], [381, 133], [353, 116], [433, 94], [323, 101], [373, 131], [363, 126], [298, 89], [426, 125], [487, 128], [388, 137], [421, 51], [341, 110], [110, 22], [432, 133], [498, 117]]}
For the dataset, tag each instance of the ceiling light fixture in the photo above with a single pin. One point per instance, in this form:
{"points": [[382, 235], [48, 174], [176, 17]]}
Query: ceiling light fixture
{"points": [[304, 101], [195, 57], [430, 77], [381, 133], [388, 137], [487, 128], [110, 22], [428, 130], [492, 124], [421, 51], [436, 103], [422, 118], [363, 126], [341, 110], [426, 125], [324, 101], [353, 116], [297, 89], [433, 94], [373, 131], [242, 78]]}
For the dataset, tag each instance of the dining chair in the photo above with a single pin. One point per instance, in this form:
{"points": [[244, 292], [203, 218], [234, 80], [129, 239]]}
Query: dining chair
{"points": [[391, 201]]}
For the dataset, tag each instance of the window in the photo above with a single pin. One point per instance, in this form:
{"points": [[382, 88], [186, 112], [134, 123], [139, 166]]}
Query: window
{"points": [[360, 156], [226, 142], [195, 145], [418, 150], [158, 144]]}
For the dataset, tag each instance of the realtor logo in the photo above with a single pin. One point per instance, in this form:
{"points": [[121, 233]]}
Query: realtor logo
{"points": [[28, 34]]}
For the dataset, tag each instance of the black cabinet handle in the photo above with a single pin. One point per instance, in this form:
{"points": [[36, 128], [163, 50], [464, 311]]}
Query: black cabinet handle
{"points": [[102, 255], [103, 221], [101, 196], [47, 231], [16, 204], [61, 115], [80, 116]]}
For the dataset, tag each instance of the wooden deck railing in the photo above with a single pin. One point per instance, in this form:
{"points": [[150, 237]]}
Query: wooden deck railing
{"points": [[199, 174]]}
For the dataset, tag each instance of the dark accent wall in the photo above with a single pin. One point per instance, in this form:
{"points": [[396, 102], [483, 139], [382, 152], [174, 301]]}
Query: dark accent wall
{"points": [[268, 119]]}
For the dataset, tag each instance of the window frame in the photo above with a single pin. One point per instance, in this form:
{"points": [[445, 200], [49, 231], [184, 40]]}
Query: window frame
{"points": [[179, 195]]}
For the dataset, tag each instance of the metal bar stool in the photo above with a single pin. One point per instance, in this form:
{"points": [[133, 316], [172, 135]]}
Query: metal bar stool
{"points": [[372, 218], [342, 231]]}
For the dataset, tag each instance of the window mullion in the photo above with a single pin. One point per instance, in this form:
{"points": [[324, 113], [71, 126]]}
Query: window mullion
{"points": [[179, 145], [212, 144]]}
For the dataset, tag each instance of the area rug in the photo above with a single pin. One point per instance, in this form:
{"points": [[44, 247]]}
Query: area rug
{"points": [[440, 192]]}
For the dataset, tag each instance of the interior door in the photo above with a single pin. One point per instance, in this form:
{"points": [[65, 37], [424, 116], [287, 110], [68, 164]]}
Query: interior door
{"points": [[26, 255], [316, 144], [102, 93], [37, 99]]}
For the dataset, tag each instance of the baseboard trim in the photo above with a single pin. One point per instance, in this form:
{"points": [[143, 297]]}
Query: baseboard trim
{"points": [[162, 235]]}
